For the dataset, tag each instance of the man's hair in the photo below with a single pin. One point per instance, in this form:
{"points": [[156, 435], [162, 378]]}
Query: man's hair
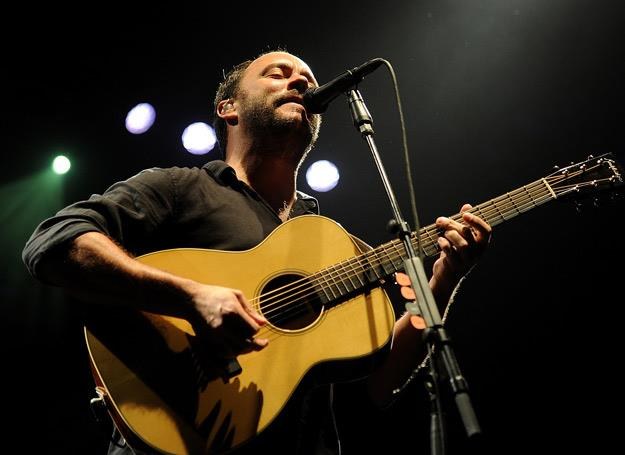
{"points": [[228, 88]]}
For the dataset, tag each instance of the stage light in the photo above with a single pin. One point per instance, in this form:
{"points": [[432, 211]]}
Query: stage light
{"points": [[322, 176], [140, 118], [61, 165], [199, 138]]}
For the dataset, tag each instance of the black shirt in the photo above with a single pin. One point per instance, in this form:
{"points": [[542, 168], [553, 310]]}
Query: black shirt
{"points": [[209, 207], [159, 209]]}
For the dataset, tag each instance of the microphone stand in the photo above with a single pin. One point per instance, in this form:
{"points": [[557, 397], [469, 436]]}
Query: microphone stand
{"points": [[434, 335]]}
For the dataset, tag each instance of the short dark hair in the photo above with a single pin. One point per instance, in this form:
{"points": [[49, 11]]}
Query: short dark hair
{"points": [[228, 88]]}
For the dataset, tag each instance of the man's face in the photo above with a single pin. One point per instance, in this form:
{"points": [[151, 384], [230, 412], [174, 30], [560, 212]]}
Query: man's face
{"points": [[270, 98]]}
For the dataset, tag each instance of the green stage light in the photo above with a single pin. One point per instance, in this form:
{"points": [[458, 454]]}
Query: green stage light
{"points": [[61, 165]]}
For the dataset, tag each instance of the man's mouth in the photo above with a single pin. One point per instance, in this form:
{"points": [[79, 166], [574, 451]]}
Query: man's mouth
{"points": [[291, 99]]}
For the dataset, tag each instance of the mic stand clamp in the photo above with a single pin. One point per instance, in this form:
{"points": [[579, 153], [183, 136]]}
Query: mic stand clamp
{"points": [[435, 334]]}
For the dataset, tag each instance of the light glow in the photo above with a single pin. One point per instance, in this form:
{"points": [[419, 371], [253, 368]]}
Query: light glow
{"points": [[322, 176], [140, 118], [61, 165], [199, 138]]}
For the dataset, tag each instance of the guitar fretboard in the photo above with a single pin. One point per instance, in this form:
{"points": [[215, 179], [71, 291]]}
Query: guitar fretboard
{"points": [[367, 270]]}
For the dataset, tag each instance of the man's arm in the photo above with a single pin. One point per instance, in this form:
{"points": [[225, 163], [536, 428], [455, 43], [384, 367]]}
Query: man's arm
{"points": [[95, 269], [461, 245], [75, 249]]}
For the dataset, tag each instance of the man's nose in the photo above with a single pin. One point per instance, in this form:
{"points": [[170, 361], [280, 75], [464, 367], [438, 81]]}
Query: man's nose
{"points": [[298, 82]]}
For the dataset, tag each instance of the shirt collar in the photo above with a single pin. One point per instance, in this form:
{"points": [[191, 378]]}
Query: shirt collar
{"points": [[222, 172], [226, 175]]}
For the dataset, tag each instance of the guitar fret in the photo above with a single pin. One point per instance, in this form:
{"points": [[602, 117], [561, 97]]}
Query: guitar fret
{"points": [[366, 271], [336, 282], [480, 213], [494, 204], [398, 264], [433, 241], [387, 266], [362, 274], [319, 287], [547, 191], [533, 204], [394, 256], [429, 245], [341, 281], [372, 268], [514, 206], [327, 277], [357, 273], [350, 276]]}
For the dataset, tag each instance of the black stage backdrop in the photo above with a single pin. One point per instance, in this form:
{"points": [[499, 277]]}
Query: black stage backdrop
{"points": [[495, 94]]}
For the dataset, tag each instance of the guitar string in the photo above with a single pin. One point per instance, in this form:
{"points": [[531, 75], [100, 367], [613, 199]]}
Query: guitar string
{"points": [[518, 207], [427, 243], [294, 312], [344, 271], [391, 259], [431, 233], [301, 307], [314, 292], [427, 231]]}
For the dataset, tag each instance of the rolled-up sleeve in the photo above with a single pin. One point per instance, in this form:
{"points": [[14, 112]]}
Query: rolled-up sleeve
{"points": [[130, 212]]}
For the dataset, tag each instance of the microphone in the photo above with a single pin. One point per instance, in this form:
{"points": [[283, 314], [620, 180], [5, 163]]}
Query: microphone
{"points": [[316, 100]]}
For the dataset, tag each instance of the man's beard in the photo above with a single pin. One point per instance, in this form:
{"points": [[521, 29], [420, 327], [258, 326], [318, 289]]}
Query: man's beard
{"points": [[265, 124]]}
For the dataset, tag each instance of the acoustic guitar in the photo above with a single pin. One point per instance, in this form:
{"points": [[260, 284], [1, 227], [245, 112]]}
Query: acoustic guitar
{"points": [[327, 313]]}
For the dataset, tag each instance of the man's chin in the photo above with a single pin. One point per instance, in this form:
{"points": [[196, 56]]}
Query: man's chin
{"points": [[293, 119]]}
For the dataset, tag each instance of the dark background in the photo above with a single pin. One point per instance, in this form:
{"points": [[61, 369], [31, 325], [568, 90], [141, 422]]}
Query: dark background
{"points": [[495, 93]]}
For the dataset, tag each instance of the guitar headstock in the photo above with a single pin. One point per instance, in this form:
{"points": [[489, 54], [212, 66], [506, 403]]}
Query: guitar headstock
{"points": [[592, 176]]}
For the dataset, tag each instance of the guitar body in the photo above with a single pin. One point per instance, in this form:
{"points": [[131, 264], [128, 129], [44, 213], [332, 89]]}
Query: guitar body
{"points": [[163, 389]]}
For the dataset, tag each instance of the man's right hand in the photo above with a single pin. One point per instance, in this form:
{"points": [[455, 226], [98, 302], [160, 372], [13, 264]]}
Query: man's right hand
{"points": [[227, 321]]}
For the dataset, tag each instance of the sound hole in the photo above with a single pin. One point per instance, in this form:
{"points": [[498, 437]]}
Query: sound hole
{"points": [[290, 302]]}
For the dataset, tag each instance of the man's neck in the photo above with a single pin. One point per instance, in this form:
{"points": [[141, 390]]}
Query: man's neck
{"points": [[271, 175]]}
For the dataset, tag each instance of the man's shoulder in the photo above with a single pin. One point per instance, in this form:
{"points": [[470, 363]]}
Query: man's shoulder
{"points": [[172, 173], [172, 170]]}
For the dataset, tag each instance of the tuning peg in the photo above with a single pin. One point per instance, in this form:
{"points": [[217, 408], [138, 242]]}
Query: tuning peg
{"points": [[556, 168], [590, 157]]}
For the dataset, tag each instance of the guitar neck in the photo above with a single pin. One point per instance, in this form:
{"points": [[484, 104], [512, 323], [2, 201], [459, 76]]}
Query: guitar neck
{"points": [[494, 212], [369, 269]]}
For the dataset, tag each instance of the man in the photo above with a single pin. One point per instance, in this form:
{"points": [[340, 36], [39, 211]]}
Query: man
{"points": [[265, 133]]}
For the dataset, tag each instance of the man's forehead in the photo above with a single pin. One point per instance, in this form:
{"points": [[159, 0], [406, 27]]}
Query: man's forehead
{"points": [[276, 59]]}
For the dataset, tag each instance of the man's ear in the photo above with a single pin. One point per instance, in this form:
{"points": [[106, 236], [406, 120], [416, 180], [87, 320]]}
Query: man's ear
{"points": [[226, 109]]}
